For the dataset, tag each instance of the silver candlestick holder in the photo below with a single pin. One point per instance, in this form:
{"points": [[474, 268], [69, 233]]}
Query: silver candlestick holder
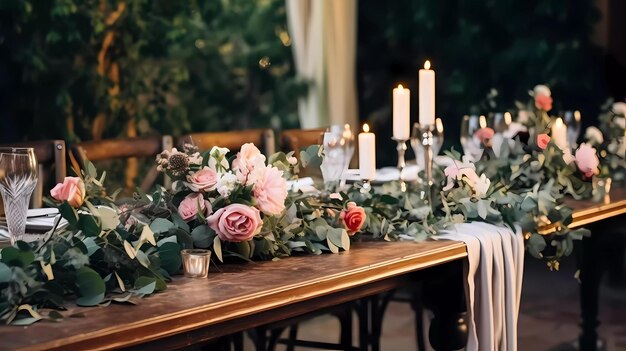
{"points": [[427, 142], [401, 148]]}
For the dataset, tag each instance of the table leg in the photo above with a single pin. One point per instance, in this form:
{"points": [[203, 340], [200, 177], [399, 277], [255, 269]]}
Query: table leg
{"points": [[445, 296], [590, 276]]}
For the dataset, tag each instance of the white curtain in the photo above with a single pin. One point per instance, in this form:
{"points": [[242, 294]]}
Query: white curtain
{"points": [[323, 36]]}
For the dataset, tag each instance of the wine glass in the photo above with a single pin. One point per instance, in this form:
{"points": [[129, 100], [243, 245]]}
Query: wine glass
{"points": [[471, 144], [348, 146], [336, 147], [18, 178], [416, 142], [572, 121], [501, 121]]}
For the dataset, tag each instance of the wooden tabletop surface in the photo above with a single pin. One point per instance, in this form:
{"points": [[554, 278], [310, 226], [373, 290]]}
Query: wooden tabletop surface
{"points": [[237, 292]]}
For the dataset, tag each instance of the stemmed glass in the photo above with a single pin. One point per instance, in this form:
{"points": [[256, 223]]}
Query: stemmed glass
{"points": [[416, 142], [18, 178], [338, 150], [471, 144], [572, 121]]}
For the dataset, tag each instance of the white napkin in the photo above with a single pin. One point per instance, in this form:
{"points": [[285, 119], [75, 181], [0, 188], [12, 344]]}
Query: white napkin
{"points": [[46, 222], [494, 282]]}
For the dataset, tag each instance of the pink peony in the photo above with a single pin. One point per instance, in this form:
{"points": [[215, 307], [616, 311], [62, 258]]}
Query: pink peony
{"points": [[587, 160], [353, 218], [543, 102], [71, 190], [236, 222], [543, 140], [248, 158], [485, 135], [188, 208], [270, 189], [202, 180]]}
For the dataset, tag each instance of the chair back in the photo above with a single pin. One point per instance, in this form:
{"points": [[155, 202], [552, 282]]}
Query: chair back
{"points": [[129, 149], [51, 159], [262, 138], [298, 139]]}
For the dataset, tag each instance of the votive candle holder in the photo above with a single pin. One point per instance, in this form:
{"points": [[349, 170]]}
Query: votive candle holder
{"points": [[196, 262]]}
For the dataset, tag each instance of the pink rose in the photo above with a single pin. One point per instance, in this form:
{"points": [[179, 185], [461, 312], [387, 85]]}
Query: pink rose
{"points": [[71, 190], [202, 180], [270, 189], [543, 102], [485, 135], [248, 158], [543, 140], [191, 205], [236, 222], [353, 218], [587, 160]]}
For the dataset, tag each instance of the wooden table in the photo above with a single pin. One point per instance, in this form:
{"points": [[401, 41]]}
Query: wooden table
{"points": [[239, 297]]}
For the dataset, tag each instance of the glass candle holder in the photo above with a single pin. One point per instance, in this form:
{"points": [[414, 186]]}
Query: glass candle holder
{"points": [[196, 262]]}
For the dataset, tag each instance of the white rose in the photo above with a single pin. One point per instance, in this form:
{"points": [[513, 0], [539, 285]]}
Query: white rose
{"points": [[218, 157], [594, 136], [619, 108], [541, 90], [226, 183]]}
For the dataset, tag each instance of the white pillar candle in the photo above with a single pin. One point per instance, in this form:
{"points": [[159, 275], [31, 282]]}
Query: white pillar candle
{"points": [[559, 134], [427, 95], [401, 113], [367, 154]]}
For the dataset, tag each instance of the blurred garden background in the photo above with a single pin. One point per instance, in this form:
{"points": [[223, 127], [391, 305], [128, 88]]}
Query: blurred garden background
{"points": [[92, 69]]}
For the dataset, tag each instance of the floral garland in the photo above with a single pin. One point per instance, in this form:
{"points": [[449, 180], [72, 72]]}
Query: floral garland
{"points": [[242, 207]]}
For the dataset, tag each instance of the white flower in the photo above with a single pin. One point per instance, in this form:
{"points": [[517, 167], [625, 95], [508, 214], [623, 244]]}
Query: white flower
{"points": [[594, 136], [480, 185], [619, 108], [226, 183], [541, 89], [620, 122], [218, 157], [292, 160]]}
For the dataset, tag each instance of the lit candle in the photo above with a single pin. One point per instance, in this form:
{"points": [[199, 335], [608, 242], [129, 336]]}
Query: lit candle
{"points": [[367, 154], [482, 121], [559, 133], [427, 95], [401, 116]]}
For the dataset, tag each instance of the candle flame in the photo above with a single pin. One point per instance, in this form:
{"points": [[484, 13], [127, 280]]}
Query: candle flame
{"points": [[507, 118], [483, 121], [577, 116], [400, 87], [366, 128], [559, 122], [439, 125], [427, 64]]}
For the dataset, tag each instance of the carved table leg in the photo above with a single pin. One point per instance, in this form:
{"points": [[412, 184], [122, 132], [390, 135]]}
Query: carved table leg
{"points": [[445, 296]]}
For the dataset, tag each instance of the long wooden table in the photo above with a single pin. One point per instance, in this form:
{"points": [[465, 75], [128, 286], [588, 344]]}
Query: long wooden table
{"points": [[239, 297], [243, 296]]}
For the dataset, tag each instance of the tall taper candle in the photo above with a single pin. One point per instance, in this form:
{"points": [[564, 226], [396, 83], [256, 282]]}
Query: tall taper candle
{"points": [[427, 95], [559, 133], [401, 116], [367, 154]]}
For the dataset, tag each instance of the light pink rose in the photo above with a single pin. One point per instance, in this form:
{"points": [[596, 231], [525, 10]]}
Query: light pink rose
{"points": [[188, 208], [236, 222], [485, 135], [543, 102], [71, 190], [543, 140], [353, 218], [202, 180], [587, 160], [248, 159], [270, 189]]}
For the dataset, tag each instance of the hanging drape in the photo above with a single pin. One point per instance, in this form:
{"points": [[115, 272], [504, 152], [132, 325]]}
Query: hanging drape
{"points": [[323, 36]]}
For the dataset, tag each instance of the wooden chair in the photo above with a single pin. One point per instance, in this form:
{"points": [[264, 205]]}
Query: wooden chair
{"points": [[50, 158], [298, 139], [262, 138], [130, 148]]}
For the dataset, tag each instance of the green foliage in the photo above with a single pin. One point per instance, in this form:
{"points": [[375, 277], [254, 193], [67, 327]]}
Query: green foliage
{"points": [[179, 66]]}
